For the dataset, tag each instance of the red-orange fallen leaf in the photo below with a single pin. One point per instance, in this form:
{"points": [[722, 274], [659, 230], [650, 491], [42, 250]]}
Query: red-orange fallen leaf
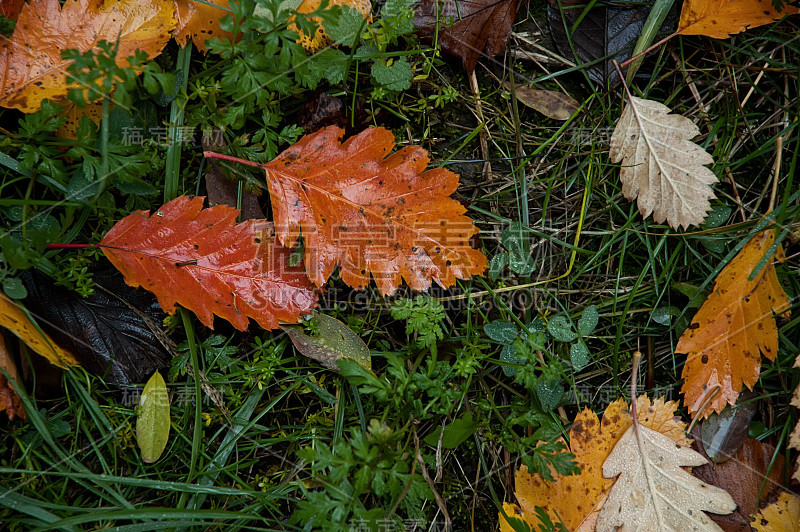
{"points": [[371, 213], [466, 29], [200, 21], [31, 67], [9, 400], [576, 499], [11, 8], [201, 259], [723, 18], [732, 329]]}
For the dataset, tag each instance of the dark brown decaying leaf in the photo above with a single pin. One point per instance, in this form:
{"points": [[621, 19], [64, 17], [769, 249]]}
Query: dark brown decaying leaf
{"points": [[742, 476], [322, 110], [603, 31], [103, 331], [222, 190], [478, 26], [552, 104], [333, 341]]}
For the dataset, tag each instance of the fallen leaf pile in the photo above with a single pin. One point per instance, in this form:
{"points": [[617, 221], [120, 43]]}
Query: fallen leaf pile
{"points": [[576, 500], [660, 165], [733, 328]]}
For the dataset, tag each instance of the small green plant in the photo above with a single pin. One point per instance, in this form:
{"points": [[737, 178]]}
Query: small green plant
{"points": [[423, 316]]}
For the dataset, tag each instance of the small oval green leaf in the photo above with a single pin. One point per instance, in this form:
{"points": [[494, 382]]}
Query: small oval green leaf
{"points": [[152, 424], [588, 321], [335, 341], [579, 354], [501, 331], [560, 329]]}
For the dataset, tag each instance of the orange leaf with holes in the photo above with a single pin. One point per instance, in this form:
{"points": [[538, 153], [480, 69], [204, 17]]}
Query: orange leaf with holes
{"points": [[200, 21], [722, 18], [733, 327], [321, 39], [369, 212], [576, 500], [31, 67], [201, 259]]}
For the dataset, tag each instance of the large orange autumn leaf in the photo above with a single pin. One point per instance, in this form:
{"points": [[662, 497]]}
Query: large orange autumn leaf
{"points": [[733, 327], [31, 67], [723, 18], [576, 500], [201, 259], [371, 213]]}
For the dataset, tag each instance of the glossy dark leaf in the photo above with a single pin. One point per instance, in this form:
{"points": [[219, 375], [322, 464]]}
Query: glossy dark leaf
{"points": [[604, 31], [333, 341], [466, 29], [103, 331]]}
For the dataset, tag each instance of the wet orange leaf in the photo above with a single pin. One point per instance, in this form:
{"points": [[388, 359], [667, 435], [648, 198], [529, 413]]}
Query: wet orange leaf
{"points": [[723, 18], [206, 262], [371, 213], [733, 327], [31, 68], [576, 500]]}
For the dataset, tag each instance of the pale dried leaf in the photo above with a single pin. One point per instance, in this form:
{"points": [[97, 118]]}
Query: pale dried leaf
{"points": [[661, 165], [653, 493], [552, 104]]}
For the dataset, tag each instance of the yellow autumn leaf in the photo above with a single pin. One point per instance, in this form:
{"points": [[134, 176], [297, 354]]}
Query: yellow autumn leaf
{"points": [[781, 516], [31, 67], [13, 318]]}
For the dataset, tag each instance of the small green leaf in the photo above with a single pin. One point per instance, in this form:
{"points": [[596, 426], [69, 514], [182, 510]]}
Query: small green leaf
{"points": [[663, 315], [152, 423], [496, 265], [14, 288], [508, 356], [588, 321], [333, 342], [501, 331], [560, 329], [396, 77], [579, 355], [455, 433], [549, 391]]}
